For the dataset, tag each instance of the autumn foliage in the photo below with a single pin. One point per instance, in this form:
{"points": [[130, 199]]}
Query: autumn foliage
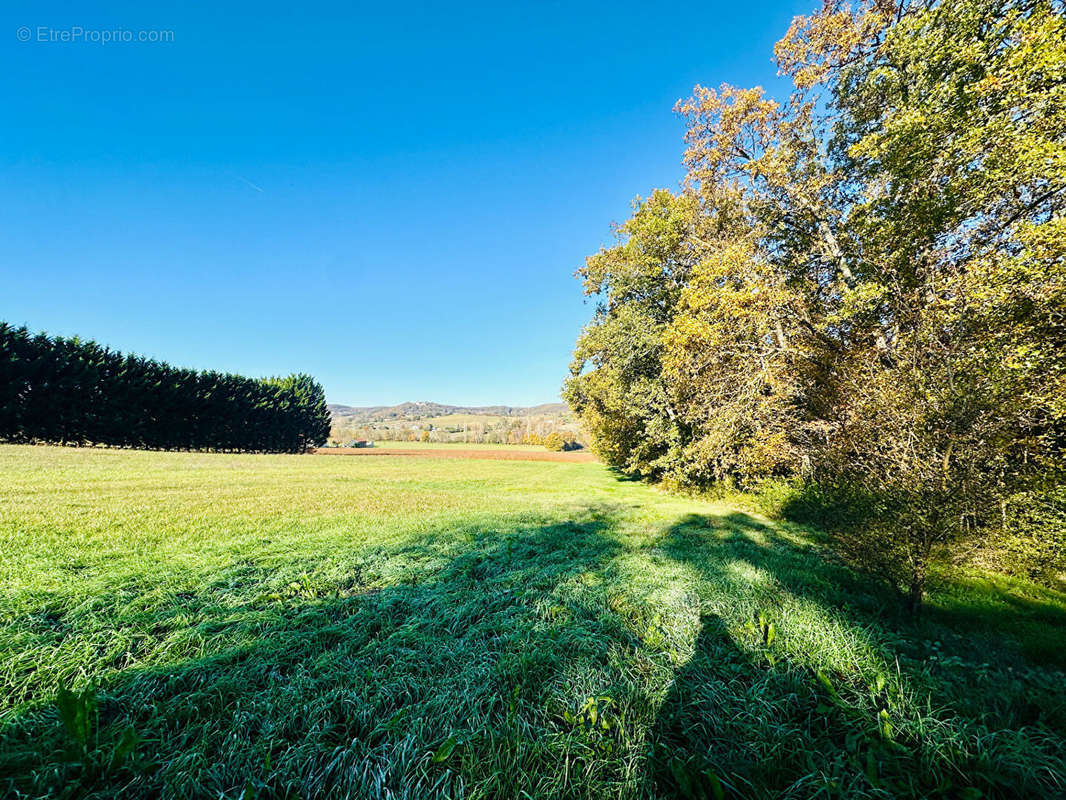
{"points": [[860, 287]]}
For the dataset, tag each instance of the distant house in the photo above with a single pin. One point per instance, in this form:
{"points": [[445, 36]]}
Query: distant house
{"points": [[358, 443]]}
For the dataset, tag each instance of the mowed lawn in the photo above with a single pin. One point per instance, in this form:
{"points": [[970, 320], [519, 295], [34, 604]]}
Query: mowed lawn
{"points": [[302, 626]]}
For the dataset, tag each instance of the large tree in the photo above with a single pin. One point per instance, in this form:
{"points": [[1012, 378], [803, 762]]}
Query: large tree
{"points": [[616, 385], [873, 293]]}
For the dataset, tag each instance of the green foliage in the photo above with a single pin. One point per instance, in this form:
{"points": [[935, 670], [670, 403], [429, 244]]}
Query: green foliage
{"points": [[616, 386], [77, 711], [1017, 551], [811, 307], [79, 714], [74, 391], [555, 442], [439, 628]]}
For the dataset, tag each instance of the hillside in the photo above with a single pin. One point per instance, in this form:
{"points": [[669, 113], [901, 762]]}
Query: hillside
{"points": [[425, 410], [450, 423]]}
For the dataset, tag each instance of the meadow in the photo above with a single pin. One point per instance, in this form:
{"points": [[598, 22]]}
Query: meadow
{"points": [[198, 625]]}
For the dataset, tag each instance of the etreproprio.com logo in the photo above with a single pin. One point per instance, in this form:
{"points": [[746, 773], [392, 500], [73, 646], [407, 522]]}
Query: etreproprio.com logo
{"points": [[77, 34]]}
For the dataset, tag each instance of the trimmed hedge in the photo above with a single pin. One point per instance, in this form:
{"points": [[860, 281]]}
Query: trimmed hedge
{"points": [[74, 391]]}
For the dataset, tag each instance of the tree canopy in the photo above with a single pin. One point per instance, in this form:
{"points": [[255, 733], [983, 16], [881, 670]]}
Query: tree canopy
{"points": [[860, 285], [74, 391]]}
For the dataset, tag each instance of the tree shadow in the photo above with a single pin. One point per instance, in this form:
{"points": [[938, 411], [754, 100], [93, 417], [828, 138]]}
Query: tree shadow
{"points": [[522, 661], [623, 476], [768, 707], [346, 688]]}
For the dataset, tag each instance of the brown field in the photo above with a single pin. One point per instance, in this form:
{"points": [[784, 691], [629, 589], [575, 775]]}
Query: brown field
{"points": [[496, 455]]}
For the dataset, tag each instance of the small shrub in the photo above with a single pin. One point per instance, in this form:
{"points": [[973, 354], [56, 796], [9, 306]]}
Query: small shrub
{"points": [[554, 441]]}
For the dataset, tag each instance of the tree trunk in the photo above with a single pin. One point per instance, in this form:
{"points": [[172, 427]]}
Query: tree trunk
{"points": [[914, 594], [917, 586]]}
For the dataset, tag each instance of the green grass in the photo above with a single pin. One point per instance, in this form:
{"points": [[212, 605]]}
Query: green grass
{"points": [[189, 625]]}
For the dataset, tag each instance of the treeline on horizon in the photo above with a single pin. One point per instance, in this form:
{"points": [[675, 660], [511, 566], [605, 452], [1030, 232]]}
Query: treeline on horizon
{"points": [[74, 391], [857, 298]]}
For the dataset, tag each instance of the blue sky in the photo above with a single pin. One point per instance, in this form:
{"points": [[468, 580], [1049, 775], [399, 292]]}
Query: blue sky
{"points": [[392, 197]]}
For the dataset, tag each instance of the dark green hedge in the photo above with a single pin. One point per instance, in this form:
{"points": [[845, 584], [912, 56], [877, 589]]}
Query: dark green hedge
{"points": [[73, 391]]}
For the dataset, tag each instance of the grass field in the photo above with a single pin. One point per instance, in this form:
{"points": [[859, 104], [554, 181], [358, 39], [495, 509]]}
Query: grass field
{"points": [[390, 445], [191, 625]]}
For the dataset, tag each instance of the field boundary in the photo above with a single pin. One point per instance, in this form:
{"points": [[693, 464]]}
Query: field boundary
{"points": [[573, 456]]}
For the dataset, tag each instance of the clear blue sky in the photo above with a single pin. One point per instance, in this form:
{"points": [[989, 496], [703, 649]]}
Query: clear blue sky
{"points": [[392, 197]]}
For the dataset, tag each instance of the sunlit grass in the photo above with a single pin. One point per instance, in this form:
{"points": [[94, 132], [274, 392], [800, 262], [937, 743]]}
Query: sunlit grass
{"points": [[331, 627]]}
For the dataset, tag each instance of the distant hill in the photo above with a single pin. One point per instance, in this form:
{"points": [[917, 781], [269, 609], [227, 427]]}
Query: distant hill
{"points": [[440, 422], [425, 410]]}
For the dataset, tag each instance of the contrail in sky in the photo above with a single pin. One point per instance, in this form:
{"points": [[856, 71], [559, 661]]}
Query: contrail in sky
{"points": [[245, 180]]}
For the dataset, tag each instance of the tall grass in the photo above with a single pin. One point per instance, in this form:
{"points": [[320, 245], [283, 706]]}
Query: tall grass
{"points": [[190, 625]]}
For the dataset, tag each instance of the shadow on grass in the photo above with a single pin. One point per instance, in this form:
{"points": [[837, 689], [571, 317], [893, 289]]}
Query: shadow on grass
{"points": [[343, 687], [769, 706], [506, 663], [979, 602], [622, 476]]}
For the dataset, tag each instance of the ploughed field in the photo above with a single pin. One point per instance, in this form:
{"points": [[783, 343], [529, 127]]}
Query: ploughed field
{"points": [[196, 625]]}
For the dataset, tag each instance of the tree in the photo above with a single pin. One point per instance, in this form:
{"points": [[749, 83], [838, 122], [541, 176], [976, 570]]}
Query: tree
{"points": [[74, 391], [616, 384], [554, 441], [862, 285], [950, 144]]}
